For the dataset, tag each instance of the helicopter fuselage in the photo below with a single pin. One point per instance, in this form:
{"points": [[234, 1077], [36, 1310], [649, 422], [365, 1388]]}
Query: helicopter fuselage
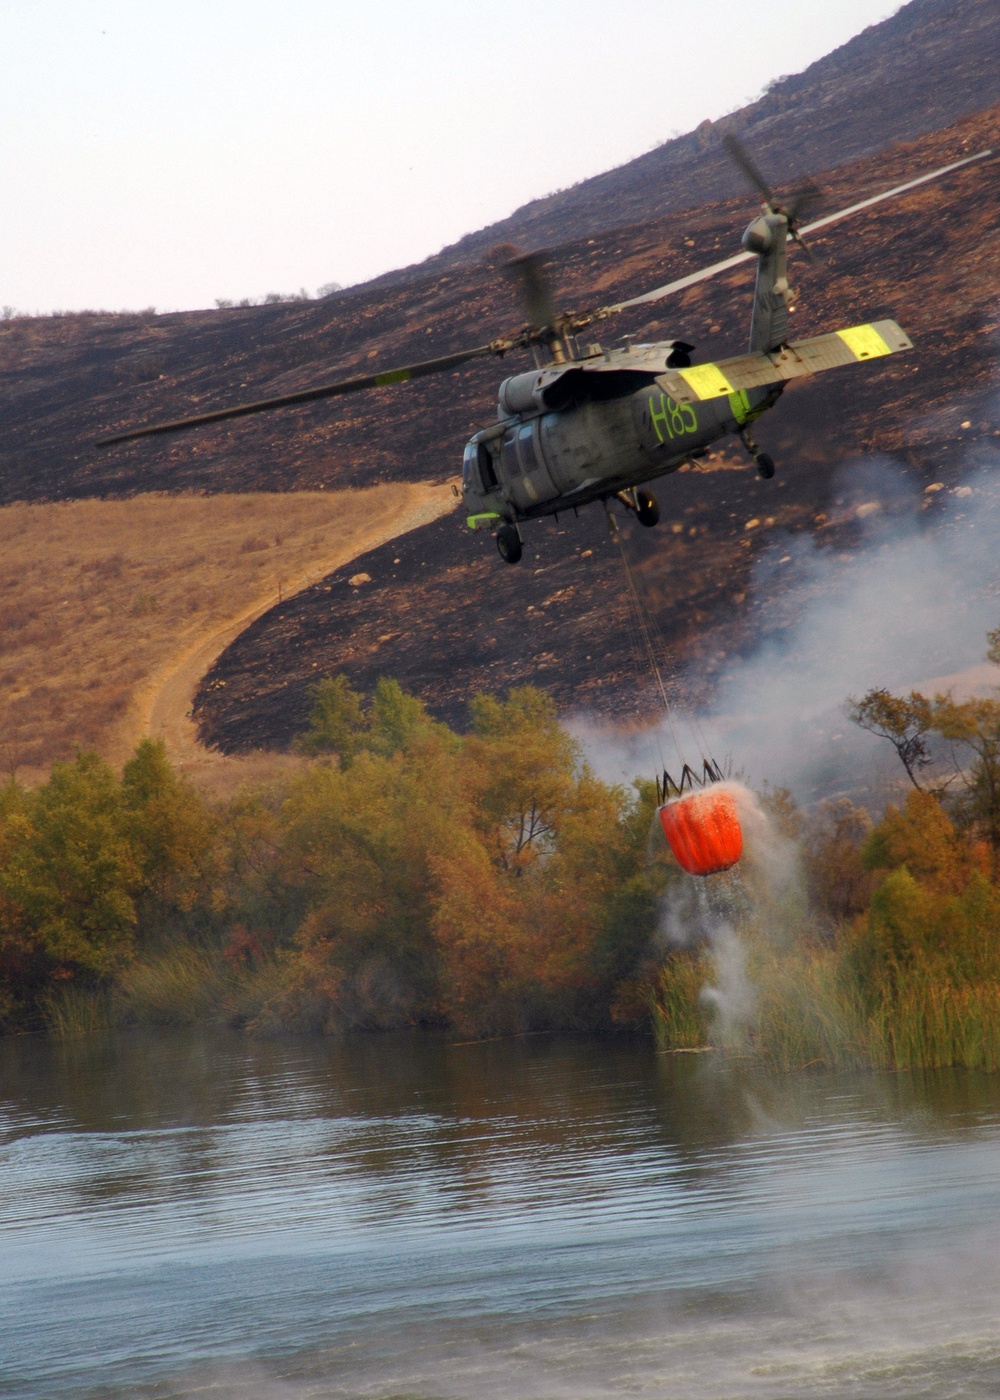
{"points": [[591, 428]]}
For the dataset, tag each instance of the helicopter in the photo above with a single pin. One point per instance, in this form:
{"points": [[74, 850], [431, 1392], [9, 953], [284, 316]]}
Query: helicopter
{"points": [[590, 423]]}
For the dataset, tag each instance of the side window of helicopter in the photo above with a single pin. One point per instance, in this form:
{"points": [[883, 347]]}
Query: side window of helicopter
{"points": [[487, 475], [508, 458], [526, 448]]}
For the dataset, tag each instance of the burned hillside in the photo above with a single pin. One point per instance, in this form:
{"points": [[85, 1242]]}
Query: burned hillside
{"points": [[448, 617]]}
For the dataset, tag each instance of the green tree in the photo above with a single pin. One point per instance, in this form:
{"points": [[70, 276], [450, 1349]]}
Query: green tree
{"points": [[922, 839], [972, 727], [397, 720], [336, 720], [527, 767], [339, 723], [967, 758], [71, 874], [357, 844], [173, 837], [24, 965], [840, 882]]}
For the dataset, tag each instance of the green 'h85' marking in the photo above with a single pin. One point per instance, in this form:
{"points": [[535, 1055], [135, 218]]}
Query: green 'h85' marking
{"points": [[670, 417]]}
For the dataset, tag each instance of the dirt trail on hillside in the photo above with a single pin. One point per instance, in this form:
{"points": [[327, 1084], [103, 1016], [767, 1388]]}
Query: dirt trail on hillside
{"points": [[163, 707]]}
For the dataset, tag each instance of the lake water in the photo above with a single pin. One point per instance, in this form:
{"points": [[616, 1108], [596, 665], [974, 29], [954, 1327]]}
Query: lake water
{"points": [[397, 1217]]}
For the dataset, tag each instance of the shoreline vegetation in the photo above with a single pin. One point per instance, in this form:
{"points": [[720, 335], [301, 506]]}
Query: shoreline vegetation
{"points": [[488, 884]]}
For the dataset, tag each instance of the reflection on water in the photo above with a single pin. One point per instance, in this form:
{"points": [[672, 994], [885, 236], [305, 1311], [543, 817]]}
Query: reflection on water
{"points": [[395, 1216]]}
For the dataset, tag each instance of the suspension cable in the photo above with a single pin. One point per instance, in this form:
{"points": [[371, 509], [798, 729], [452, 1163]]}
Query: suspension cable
{"points": [[643, 627], [653, 641]]}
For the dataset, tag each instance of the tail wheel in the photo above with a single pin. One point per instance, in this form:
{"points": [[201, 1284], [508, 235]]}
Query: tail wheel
{"points": [[509, 544], [647, 509], [765, 465]]}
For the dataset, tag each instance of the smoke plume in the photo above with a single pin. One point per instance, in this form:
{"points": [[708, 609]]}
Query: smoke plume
{"points": [[907, 607]]}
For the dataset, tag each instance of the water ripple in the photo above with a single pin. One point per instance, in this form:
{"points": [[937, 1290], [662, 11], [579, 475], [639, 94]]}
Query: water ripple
{"points": [[357, 1215]]}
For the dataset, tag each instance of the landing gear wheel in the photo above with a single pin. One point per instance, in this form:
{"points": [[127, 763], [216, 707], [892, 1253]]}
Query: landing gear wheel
{"points": [[509, 544], [647, 508], [765, 465]]}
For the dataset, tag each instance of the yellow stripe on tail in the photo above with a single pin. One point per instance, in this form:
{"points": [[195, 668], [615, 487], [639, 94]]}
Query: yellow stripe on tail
{"points": [[764, 368]]}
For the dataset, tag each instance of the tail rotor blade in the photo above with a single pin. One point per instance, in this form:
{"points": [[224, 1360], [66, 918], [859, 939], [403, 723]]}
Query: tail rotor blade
{"points": [[801, 198], [812, 258], [740, 157]]}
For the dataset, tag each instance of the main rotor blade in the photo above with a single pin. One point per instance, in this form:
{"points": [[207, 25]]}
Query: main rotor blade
{"points": [[740, 156], [678, 284], [322, 391], [692, 278], [891, 194]]}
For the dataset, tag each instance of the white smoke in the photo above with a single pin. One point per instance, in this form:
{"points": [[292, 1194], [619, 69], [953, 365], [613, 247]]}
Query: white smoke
{"points": [[907, 607]]}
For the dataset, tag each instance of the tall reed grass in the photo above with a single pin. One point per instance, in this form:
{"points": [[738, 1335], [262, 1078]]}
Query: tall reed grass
{"points": [[809, 1008], [180, 986], [680, 1014], [187, 985], [184, 985], [74, 1012], [931, 1024]]}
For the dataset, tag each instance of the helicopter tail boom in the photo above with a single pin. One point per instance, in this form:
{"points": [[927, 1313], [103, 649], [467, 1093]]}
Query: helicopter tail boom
{"points": [[792, 361], [767, 236]]}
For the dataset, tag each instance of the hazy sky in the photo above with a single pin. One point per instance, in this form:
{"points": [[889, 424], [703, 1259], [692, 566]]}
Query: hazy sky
{"points": [[169, 152]]}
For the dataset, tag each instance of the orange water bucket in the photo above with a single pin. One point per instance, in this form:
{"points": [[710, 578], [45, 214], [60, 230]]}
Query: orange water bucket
{"points": [[704, 831]]}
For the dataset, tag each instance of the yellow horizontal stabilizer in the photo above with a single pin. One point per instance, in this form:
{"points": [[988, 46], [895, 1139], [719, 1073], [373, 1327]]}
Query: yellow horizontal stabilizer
{"points": [[792, 361], [707, 381], [864, 341]]}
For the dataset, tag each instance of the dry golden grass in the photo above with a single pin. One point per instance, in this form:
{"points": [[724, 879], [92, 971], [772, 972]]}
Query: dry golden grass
{"points": [[111, 610]]}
